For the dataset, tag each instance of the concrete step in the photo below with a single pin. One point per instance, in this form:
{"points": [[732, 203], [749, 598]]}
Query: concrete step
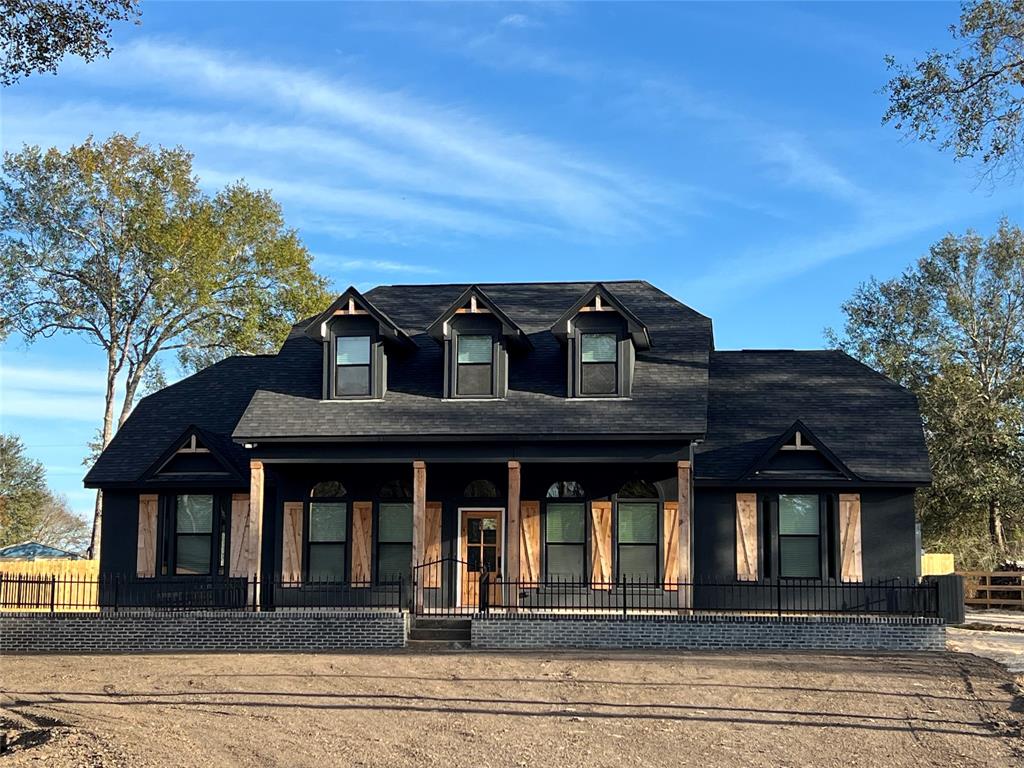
{"points": [[444, 622], [445, 634], [435, 645]]}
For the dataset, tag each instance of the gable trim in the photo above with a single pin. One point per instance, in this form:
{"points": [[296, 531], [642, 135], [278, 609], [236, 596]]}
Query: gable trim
{"points": [[603, 300], [474, 301], [808, 438], [193, 440], [352, 303]]}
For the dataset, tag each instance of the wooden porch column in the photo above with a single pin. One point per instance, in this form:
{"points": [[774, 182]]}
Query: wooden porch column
{"points": [[513, 534], [685, 477], [255, 526], [419, 516]]}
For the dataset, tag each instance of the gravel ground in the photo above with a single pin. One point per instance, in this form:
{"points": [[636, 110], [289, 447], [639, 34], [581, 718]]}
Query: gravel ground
{"points": [[489, 709]]}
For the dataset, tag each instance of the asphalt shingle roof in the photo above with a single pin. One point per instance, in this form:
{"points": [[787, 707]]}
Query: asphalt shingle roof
{"points": [[868, 421]]}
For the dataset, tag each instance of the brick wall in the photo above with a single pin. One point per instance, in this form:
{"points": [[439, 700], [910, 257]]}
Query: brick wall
{"points": [[716, 632], [150, 631]]}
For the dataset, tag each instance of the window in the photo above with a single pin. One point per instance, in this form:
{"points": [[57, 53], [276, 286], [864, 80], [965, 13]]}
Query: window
{"points": [[473, 373], [480, 489], [193, 535], [565, 489], [395, 489], [328, 525], [599, 364], [565, 536], [330, 489], [799, 536], [352, 366], [394, 542], [638, 540]]}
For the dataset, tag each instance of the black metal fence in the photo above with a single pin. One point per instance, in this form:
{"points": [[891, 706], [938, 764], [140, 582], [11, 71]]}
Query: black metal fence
{"points": [[113, 593], [451, 587]]}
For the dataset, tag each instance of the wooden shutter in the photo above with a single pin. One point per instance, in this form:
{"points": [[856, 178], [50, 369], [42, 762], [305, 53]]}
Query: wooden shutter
{"points": [[362, 541], [529, 543], [601, 543], [670, 534], [850, 556], [747, 547], [145, 562], [432, 545], [238, 559], [291, 544]]}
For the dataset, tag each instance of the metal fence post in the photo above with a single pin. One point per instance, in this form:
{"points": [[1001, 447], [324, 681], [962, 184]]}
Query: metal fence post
{"points": [[117, 582], [53, 593], [482, 602], [778, 596], [625, 606]]}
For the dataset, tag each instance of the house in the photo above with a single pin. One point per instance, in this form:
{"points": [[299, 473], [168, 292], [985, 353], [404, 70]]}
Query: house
{"points": [[33, 550], [452, 439]]}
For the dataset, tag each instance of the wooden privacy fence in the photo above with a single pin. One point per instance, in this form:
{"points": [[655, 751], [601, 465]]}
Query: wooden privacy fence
{"points": [[937, 564], [36, 585], [994, 589]]}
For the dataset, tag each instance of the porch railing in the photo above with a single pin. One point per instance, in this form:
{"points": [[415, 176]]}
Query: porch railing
{"points": [[114, 593], [450, 587]]}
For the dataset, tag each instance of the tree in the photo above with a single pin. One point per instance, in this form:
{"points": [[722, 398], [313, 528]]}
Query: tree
{"points": [[969, 99], [951, 329], [37, 34], [57, 526], [23, 491], [116, 242]]}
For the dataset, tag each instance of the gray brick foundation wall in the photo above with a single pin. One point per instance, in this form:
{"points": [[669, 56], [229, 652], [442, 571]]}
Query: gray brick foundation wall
{"points": [[711, 632], [151, 631]]}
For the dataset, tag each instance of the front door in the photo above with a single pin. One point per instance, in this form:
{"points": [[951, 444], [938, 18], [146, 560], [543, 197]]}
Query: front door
{"points": [[480, 540]]}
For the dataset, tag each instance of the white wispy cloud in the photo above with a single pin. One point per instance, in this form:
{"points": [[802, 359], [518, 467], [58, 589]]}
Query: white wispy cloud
{"points": [[401, 143], [374, 265], [50, 406]]}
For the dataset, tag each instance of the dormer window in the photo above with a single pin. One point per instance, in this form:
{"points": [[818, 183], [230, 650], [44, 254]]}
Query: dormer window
{"points": [[601, 338], [352, 366], [599, 363], [474, 374], [477, 336]]}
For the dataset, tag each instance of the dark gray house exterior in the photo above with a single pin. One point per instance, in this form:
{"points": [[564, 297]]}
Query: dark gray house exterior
{"points": [[542, 433]]}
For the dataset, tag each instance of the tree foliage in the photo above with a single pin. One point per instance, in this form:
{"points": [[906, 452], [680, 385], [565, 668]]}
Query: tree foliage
{"points": [[116, 242], [969, 99], [23, 491], [951, 328], [37, 34]]}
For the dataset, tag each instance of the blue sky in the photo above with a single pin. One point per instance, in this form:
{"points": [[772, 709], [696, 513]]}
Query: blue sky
{"points": [[731, 154]]}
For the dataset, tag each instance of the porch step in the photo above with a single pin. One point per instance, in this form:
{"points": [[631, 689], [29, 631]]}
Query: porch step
{"points": [[436, 645], [441, 622], [440, 633]]}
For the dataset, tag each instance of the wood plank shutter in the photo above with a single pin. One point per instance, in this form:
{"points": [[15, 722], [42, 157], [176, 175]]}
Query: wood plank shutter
{"points": [[362, 541], [670, 533], [529, 545], [291, 543], [145, 562], [747, 547], [601, 543], [432, 545], [850, 552], [238, 558]]}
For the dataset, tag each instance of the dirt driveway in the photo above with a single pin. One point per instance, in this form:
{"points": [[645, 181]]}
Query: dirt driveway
{"points": [[537, 709]]}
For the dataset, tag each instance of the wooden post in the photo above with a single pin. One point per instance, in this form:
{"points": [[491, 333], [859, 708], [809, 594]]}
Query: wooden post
{"points": [[419, 515], [513, 536], [685, 478], [255, 527]]}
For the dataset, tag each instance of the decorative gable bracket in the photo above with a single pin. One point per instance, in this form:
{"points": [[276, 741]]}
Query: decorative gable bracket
{"points": [[599, 299]]}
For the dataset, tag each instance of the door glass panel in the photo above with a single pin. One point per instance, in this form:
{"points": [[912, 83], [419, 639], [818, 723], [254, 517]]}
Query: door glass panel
{"points": [[473, 558], [491, 558], [473, 526]]}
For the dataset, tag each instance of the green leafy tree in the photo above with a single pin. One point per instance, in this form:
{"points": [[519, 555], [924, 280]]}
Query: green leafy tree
{"points": [[36, 34], [951, 329], [115, 242], [969, 99], [23, 491]]}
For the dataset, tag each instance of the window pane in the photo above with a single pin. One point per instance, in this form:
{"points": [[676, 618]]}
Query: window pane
{"points": [[353, 350], [799, 557], [798, 514], [475, 349], [566, 489], [565, 523], [638, 562], [598, 348], [565, 561], [638, 523], [474, 380], [327, 562], [599, 379], [192, 555], [327, 521], [195, 514], [353, 379], [394, 562], [394, 523]]}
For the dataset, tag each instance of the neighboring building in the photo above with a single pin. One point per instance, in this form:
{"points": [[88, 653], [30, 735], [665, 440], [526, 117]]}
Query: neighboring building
{"points": [[573, 432], [33, 550]]}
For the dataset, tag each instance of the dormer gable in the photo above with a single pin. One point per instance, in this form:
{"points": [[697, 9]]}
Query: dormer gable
{"points": [[194, 454], [352, 304], [475, 303], [599, 301], [798, 453]]}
